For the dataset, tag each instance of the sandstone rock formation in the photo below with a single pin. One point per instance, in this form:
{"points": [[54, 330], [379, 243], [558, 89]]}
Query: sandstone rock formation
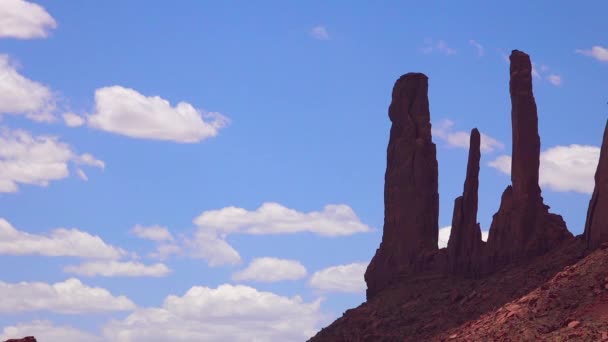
{"points": [[25, 339], [411, 198], [523, 226], [465, 246], [596, 227]]}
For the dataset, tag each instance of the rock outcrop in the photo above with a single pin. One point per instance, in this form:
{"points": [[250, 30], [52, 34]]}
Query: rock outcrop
{"points": [[25, 339], [411, 198], [596, 227], [523, 226], [465, 246]]}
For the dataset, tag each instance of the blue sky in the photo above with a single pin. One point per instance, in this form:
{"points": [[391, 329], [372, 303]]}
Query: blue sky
{"points": [[214, 170]]}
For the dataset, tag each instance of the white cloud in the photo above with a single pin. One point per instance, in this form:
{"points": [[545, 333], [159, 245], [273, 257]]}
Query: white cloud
{"points": [[444, 236], [479, 47], [319, 32], [340, 278], [82, 175], [555, 79], [60, 242], [112, 268], [444, 131], [164, 251], [20, 95], [36, 160], [213, 248], [535, 72], [154, 233], [73, 120], [273, 218], [226, 313], [562, 168], [214, 226], [441, 46], [271, 270], [598, 52], [24, 20], [125, 111], [46, 331], [68, 297]]}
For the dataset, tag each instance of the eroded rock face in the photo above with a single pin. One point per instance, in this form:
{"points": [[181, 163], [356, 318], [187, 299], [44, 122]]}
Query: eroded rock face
{"points": [[523, 226], [465, 246], [596, 227], [411, 198]]}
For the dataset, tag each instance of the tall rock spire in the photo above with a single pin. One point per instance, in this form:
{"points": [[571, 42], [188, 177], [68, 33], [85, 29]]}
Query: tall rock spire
{"points": [[465, 244], [411, 198], [596, 227], [523, 226]]}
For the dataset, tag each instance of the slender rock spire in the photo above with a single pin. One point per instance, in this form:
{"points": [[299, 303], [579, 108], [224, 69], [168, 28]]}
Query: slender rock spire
{"points": [[411, 198], [596, 227], [465, 244], [523, 226]]}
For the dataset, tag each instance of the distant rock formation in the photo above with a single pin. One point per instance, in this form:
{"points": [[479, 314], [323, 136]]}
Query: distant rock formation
{"points": [[465, 246], [596, 227], [523, 226], [25, 339], [411, 198]]}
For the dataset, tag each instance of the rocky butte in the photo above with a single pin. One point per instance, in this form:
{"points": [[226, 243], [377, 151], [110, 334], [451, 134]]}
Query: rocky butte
{"points": [[417, 292]]}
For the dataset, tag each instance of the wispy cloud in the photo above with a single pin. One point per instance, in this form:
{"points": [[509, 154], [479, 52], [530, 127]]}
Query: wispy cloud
{"points": [[598, 52], [444, 130], [320, 32], [478, 46], [440, 46]]}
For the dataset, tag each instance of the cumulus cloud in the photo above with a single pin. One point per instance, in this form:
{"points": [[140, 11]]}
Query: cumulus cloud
{"points": [[60, 242], [46, 331], [154, 233], [125, 111], [598, 52], [340, 278], [72, 120], [226, 313], [271, 270], [479, 47], [444, 236], [441, 47], [319, 32], [22, 96], [562, 168], [444, 130], [68, 297], [113, 268], [36, 160], [24, 20], [273, 218]]}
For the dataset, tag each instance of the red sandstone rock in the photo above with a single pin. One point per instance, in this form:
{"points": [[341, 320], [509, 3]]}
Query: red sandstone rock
{"points": [[465, 246], [523, 226], [25, 339], [411, 197], [596, 227]]}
